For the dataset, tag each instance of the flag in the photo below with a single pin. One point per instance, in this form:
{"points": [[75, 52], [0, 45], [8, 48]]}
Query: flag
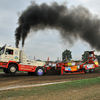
{"points": [[48, 59]]}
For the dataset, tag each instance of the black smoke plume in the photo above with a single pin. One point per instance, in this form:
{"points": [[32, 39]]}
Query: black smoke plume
{"points": [[71, 22]]}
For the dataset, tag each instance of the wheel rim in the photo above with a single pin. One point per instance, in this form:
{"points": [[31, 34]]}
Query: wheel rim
{"points": [[92, 70], [40, 72], [87, 71], [12, 69]]}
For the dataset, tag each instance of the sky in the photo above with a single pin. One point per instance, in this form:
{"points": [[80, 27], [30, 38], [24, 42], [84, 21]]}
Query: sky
{"points": [[44, 43]]}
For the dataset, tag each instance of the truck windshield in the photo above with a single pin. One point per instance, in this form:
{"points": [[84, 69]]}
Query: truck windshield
{"points": [[1, 50]]}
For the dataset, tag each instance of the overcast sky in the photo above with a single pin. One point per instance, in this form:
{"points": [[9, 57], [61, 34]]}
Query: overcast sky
{"points": [[46, 43]]}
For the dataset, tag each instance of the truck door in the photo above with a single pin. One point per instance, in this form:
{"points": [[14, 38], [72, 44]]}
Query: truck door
{"points": [[9, 55]]}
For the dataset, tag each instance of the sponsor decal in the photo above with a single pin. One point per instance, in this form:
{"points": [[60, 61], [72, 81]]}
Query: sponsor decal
{"points": [[90, 66], [93, 66], [96, 62], [16, 52], [16, 57], [69, 64], [22, 65], [73, 63], [87, 66], [68, 68], [31, 61], [10, 56]]}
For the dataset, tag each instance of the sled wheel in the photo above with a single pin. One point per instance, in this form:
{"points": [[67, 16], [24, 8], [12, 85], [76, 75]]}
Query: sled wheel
{"points": [[91, 70], [87, 71]]}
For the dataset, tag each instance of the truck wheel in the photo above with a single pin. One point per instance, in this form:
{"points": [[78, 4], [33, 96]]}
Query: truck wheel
{"points": [[5, 70], [39, 71], [86, 71], [12, 69], [91, 70], [58, 72]]}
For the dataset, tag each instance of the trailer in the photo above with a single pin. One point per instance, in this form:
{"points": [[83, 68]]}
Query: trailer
{"points": [[14, 59], [76, 68]]}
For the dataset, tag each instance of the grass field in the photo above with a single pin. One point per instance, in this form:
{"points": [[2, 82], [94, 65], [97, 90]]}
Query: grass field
{"points": [[86, 89], [1, 70], [98, 67]]}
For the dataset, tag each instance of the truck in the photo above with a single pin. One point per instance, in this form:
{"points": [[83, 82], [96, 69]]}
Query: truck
{"points": [[14, 59]]}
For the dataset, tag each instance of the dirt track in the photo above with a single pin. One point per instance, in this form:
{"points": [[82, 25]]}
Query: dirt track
{"points": [[25, 79]]}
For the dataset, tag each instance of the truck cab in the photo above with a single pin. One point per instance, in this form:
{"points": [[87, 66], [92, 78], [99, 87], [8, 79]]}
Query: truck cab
{"points": [[9, 53], [13, 59]]}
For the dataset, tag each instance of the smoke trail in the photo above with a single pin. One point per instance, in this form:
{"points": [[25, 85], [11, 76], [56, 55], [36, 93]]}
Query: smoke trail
{"points": [[71, 22]]}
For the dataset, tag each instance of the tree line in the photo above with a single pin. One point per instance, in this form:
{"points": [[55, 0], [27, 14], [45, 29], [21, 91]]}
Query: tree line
{"points": [[67, 56]]}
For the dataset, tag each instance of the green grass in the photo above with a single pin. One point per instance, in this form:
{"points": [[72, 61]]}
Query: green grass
{"points": [[1, 70], [97, 67], [41, 90]]}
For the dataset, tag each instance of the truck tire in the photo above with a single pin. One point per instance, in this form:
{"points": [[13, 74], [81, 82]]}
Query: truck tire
{"points": [[87, 71], [30, 73], [39, 71], [12, 68], [58, 72], [91, 70], [5, 71]]}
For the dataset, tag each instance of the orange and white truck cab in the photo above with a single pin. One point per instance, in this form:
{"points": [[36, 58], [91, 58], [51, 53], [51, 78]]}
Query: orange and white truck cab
{"points": [[14, 59]]}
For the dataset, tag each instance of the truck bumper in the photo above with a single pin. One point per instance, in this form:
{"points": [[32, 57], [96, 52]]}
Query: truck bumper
{"points": [[3, 65]]}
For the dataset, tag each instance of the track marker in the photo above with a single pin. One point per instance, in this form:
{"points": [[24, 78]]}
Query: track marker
{"points": [[34, 85]]}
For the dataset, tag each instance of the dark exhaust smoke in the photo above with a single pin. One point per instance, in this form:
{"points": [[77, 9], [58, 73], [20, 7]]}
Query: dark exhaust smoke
{"points": [[71, 22]]}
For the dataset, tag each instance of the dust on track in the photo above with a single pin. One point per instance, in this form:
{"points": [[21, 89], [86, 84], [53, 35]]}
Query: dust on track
{"points": [[25, 79]]}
